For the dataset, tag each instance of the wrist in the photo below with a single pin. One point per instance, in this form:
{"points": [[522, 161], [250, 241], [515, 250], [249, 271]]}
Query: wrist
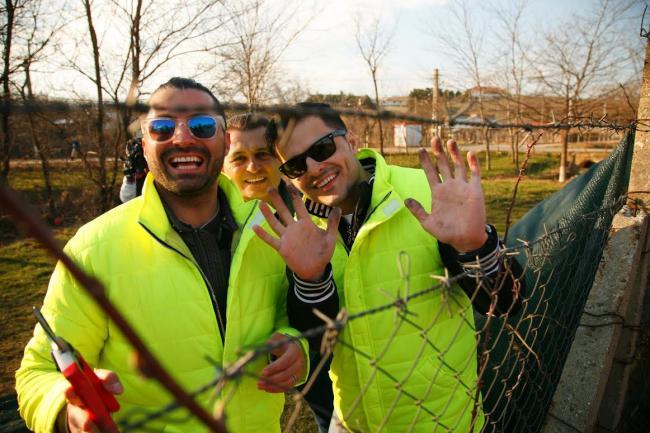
{"points": [[473, 245], [490, 239], [483, 261], [315, 276]]}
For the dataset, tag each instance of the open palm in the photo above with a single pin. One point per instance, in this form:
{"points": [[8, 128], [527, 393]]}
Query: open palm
{"points": [[457, 214], [305, 247]]}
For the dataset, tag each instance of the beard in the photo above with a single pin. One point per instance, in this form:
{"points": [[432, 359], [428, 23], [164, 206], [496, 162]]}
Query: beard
{"points": [[186, 184]]}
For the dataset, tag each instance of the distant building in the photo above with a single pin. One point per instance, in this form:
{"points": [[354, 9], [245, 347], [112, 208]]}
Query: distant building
{"points": [[471, 121], [486, 92], [395, 103], [407, 135]]}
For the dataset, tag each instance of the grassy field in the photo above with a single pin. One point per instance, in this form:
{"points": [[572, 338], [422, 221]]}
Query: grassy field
{"points": [[25, 269]]}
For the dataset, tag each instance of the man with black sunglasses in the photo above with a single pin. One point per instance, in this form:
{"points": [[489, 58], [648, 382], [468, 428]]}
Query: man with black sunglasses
{"points": [[182, 265], [416, 372]]}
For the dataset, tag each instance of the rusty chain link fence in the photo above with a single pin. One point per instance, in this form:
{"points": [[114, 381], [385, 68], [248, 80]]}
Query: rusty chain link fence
{"points": [[515, 360]]}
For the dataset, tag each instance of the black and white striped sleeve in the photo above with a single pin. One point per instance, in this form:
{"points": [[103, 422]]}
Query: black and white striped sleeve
{"points": [[486, 274], [304, 296], [314, 292], [483, 262]]}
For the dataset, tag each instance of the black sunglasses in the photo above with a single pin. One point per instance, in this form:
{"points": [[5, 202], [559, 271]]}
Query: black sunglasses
{"points": [[319, 151], [201, 126]]}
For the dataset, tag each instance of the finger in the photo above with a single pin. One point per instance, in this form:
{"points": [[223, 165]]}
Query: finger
{"points": [[333, 221], [286, 358], [273, 221], [441, 159], [474, 166], [79, 421], [110, 381], [280, 207], [299, 206], [266, 237], [460, 172], [429, 168], [280, 381], [275, 387], [416, 209], [72, 398]]}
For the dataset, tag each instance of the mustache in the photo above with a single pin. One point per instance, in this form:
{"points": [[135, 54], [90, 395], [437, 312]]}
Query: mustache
{"points": [[186, 149]]}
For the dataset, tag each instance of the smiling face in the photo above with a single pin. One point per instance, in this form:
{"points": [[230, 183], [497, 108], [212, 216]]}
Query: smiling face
{"points": [[333, 181], [184, 165], [251, 165]]}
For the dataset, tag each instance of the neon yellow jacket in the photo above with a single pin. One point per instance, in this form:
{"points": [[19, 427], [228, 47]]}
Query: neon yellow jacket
{"points": [[151, 277], [395, 379]]}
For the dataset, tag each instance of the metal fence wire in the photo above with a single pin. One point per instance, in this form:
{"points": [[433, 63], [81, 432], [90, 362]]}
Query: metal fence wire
{"points": [[518, 359]]}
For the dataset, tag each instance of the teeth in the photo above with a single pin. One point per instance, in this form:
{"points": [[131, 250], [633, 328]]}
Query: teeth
{"points": [[255, 180], [325, 181], [181, 159]]}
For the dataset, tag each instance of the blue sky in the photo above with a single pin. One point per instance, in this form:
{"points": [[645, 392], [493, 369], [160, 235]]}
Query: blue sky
{"points": [[327, 59]]}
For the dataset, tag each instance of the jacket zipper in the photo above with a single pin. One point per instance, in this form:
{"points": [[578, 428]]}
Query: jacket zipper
{"points": [[215, 305]]}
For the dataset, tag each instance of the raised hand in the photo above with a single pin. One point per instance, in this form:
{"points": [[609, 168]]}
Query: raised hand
{"points": [[457, 213], [283, 374], [305, 248]]}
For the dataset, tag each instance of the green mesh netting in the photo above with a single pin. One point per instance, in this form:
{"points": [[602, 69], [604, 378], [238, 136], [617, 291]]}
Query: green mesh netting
{"points": [[526, 353]]}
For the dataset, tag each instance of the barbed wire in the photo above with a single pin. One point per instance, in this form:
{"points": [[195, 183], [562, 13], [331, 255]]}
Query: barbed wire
{"points": [[400, 305], [521, 367], [147, 364]]}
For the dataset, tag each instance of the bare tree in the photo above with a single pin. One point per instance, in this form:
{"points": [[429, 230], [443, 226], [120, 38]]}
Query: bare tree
{"points": [[374, 44], [258, 34], [582, 56], [510, 16], [11, 11], [462, 40], [100, 178], [36, 37], [160, 35]]}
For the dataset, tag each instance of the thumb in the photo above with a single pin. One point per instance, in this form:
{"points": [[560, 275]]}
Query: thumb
{"points": [[110, 381], [333, 221], [416, 209]]}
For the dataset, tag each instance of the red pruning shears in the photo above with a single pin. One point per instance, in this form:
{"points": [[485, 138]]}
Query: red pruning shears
{"points": [[97, 400]]}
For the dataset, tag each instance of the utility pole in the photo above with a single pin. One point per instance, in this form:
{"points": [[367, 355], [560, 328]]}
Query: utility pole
{"points": [[435, 113]]}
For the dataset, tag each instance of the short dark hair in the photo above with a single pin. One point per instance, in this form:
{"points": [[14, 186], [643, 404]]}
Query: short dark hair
{"points": [[188, 83], [300, 111], [247, 121]]}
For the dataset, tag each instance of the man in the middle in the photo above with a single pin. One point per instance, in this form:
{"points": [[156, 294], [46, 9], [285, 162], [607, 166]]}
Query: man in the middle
{"points": [[253, 167]]}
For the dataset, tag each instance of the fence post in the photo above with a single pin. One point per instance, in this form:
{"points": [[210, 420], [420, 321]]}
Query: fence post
{"points": [[597, 391], [639, 190]]}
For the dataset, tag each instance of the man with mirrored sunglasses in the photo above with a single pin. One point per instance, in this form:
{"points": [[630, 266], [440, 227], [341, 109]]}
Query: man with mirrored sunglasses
{"points": [[418, 373], [182, 265]]}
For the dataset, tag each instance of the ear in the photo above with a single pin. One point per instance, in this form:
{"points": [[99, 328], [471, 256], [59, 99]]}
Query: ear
{"points": [[227, 143], [144, 146], [145, 138], [352, 140]]}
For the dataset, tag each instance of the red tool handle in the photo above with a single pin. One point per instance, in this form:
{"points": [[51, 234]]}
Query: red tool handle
{"points": [[92, 394], [109, 399]]}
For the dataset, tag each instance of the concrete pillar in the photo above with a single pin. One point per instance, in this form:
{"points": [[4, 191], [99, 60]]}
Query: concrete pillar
{"points": [[639, 190]]}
